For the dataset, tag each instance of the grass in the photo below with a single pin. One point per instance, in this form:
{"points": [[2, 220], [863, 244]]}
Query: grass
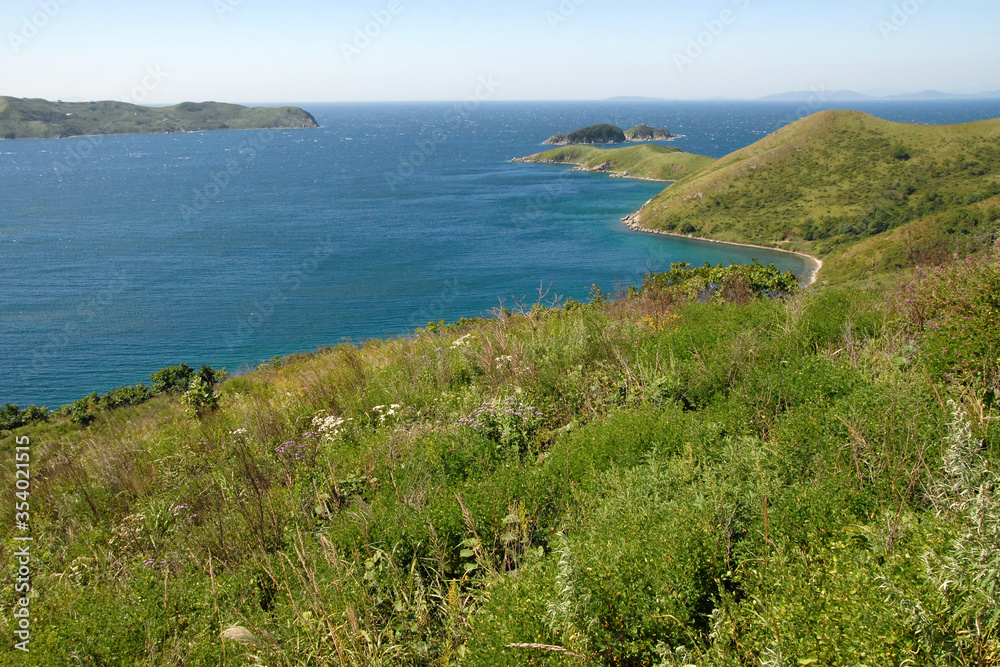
{"points": [[41, 119], [681, 476]]}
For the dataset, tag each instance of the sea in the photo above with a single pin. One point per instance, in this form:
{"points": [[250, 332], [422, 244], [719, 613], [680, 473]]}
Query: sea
{"points": [[122, 255]]}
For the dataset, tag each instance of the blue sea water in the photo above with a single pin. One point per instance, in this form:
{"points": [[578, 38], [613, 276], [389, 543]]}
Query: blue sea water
{"points": [[122, 255]]}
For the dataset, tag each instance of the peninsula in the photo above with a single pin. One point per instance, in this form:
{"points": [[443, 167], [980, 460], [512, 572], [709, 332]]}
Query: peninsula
{"points": [[860, 193], [42, 119], [647, 161], [609, 134]]}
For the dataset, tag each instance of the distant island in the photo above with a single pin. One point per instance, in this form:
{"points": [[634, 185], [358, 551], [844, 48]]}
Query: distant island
{"points": [[609, 134], [853, 96], [42, 119]]}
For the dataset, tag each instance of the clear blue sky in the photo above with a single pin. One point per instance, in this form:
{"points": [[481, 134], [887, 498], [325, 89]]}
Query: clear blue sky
{"points": [[294, 50]]}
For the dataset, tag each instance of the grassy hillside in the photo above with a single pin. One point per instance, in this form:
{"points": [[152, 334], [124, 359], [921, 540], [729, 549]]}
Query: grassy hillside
{"points": [[691, 475], [41, 119], [836, 179], [660, 163]]}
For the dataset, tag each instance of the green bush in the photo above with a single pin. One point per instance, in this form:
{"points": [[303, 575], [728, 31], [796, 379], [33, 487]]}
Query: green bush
{"points": [[12, 417], [725, 283], [81, 412], [172, 380], [124, 397]]}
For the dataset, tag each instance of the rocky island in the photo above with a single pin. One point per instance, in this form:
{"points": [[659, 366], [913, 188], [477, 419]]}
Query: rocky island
{"points": [[42, 119], [647, 133], [609, 134]]}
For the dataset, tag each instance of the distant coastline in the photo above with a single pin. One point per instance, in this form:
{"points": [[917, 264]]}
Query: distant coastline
{"points": [[42, 119]]}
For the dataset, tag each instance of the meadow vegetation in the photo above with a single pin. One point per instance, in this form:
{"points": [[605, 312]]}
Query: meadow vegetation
{"points": [[714, 469]]}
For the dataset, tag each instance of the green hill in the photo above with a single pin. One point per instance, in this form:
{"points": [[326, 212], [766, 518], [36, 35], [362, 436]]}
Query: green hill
{"points": [[661, 163], [837, 179], [41, 119]]}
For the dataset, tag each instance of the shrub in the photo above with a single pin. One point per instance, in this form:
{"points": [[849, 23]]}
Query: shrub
{"points": [[172, 380], [81, 411], [512, 424], [200, 398], [721, 283], [124, 397], [12, 417], [958, 309]]}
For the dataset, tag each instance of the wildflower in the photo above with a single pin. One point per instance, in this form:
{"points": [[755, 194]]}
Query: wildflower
{"points": [[464, 341], [180, 508]]}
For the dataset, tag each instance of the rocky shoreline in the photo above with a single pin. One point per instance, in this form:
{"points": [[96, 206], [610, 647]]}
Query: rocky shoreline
{"points": [[634, 223]]}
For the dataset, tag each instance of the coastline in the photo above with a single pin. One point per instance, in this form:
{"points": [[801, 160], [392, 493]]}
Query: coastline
{"points": [[816, 264], [631, 221]]}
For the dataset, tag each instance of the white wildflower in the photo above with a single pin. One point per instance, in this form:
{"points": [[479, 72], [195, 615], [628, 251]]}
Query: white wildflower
{"points": [[464, 341]]}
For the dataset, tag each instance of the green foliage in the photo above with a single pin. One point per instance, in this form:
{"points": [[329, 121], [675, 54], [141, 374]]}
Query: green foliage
{"points": [[510, 423], [81, 411], [124, 397], [12, 417], [200, 398], [958, 309], [727, 283], [172, 380]]}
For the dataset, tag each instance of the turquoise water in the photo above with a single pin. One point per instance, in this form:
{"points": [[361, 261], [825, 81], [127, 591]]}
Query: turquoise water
{"points": [[122, 255]]}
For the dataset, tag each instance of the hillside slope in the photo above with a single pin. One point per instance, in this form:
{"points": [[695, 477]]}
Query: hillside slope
{"points": [[680, 477], [834, 180], [660, 163], [41, 119]]}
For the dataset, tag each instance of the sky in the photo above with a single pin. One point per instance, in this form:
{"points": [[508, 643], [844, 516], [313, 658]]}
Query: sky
{"points": [[299, 51]]}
